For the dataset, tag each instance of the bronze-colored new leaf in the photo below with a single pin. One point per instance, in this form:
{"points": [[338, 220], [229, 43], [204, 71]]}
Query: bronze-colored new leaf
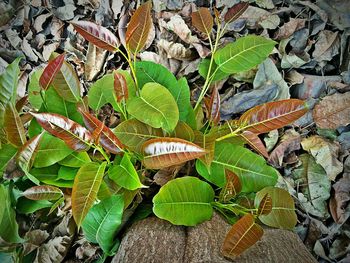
{"points": [[232, 188], [272, 115], [214, 107], [50, 71], [139, 27], [235, 11], [165, 152], [97, 35], [254, 141], [73, 134], [106, 138], [26, 153], [265, 206], [202, 20], [13, 126], [120, 87], [242, 235], [43, 192]]}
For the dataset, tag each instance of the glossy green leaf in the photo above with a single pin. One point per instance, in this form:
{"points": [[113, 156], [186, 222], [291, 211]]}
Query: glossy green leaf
{"points": [[103, 220], [67, 173], [125, 175], [159, 108], [76, 159], [27, 206], [244, 54], [204, 68], [34, 88], [86, 185], [283, 210], [7, 152], [215, 174], [184, 201], [51, 150], [133, 133], [251, 168]]}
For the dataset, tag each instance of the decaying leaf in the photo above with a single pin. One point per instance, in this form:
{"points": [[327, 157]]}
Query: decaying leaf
{"points": [[340, 200], [202, 20]]}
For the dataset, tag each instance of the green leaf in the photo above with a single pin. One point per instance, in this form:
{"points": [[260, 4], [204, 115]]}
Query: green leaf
{"points": [[159, 108], [215, 175], [26, 206], [184, 201], [67, 173], [283, 210], [244, 54], [103, 220], [251, 168], [56, 104], [86, 185], [8, 86], [76, 159], [204, 68], [8, 224], [148, 71], [51, 150], [34, 88], [133, 133], [7, 152], [125, 175]]}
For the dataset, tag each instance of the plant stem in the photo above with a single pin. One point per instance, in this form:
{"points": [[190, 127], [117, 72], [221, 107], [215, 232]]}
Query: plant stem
{"points": [[100, 149]]}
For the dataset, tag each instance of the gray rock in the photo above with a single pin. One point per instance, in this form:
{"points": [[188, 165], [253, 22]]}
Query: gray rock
{"points": [[155, 240]]}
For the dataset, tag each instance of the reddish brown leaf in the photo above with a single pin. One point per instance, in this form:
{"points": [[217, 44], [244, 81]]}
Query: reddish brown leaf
{"points": [[214, 107], [166, 152], [235, 11], [265, 206], [232, 188], [272, 115], [51, 71], [202, 20], [139, 28], [107, 138], [254, 141], [120, 87], [26, 153], [97, 35], [13, 126], [43, 192], [243, 234], [73, 134], [21, 102]]}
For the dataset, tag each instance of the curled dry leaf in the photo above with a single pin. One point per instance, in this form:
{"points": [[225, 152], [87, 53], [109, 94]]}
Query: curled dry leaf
{"points": [[120, 87], [243, 234], [254, 141], [202, 20], [107, 138], [165, 152], [73, 134], [272, 115], [43, 192], [51, 71], [232, 187], [333, 111], [139, 27], [265, 206], [96, 34], [235, 11]]}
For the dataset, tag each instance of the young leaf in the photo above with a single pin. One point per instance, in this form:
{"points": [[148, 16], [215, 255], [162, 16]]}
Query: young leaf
{"points": [[85, 188], [96, 34], [165, 152], [183, 131], [139, 28], [214, 107], [43, 192], [34, 98], [184, 201], [232, 187], [26, 154], [283, 210], [207, 142], [254, 141], [107, 138], [120, 87], [125, 175], [202, 20], [76, 159], [204, 68], [51, 71], [272, 115], [242, 235], [103, 220], [265, 206], [13, 126], [133, 134], [235, 11], [73, 134], [244, 54], [159, 108]]}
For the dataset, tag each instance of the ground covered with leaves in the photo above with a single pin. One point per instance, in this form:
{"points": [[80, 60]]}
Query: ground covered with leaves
{"points": [[311, 62]]}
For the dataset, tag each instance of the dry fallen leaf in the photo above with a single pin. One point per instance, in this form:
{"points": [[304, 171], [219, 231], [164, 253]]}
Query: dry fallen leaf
{"points": [[327, 46], [289, 28], [339, 201]]}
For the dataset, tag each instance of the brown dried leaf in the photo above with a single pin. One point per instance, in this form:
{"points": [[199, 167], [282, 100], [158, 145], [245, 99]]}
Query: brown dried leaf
{"points": [[289, 28], [341, 198], [202, 20]]}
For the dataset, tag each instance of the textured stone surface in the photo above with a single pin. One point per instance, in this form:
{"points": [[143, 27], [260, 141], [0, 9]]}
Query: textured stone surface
{"points": [[155, 240]]}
